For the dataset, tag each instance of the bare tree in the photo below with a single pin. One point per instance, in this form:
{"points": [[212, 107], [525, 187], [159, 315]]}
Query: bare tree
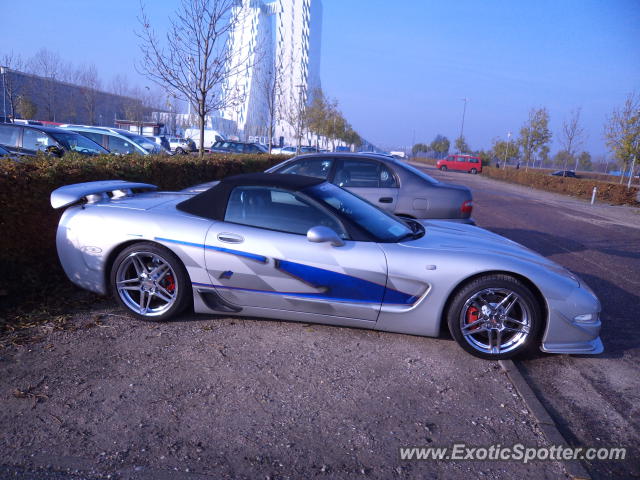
{"points": [[271, 85], [47, 64], [622, 133], [193, 60], [11, 61], [89, 82], [572, 137], [294, 113], [120, 86]]}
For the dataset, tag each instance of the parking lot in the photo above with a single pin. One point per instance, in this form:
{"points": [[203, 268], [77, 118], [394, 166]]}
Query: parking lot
{"points": [[246, 398], [594, 400]]}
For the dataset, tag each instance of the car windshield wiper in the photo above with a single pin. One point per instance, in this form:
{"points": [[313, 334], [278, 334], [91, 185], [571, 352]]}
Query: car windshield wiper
{"points": [[417, 230]]}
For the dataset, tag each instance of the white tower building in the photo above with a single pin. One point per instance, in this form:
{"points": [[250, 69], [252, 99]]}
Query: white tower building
{"points": [[280, 38]]}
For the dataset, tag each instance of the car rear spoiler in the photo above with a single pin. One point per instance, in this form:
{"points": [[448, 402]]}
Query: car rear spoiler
{"points": [[94, 191]]}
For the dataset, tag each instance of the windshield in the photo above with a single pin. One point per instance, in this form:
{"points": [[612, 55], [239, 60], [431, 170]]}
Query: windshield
{"points": [[3, 151], [144, 142], [420, 173], [381, 225], [78, 143]]}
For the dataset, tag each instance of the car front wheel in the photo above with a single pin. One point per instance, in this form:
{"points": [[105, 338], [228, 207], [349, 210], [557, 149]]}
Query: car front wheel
{"points": [[150, 281], [495, 317], [180, 151], [443, 168], [474, 171]]}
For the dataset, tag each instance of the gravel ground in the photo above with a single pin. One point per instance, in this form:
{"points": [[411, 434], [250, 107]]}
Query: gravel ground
{"points": [[245, 398]]}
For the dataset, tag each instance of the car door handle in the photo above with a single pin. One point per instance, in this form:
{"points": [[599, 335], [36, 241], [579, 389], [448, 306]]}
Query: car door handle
{"points": [[230, 238], [385, 200]]}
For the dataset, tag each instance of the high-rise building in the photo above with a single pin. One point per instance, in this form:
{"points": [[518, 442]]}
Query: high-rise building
{"points": [[273, 40]]}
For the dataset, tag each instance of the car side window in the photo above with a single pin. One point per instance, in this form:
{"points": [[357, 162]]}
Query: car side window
{"points": [[9, 135], [276, 209], [36, 140], [311, 167], [96, 137], [118, 145], [364, 174]]}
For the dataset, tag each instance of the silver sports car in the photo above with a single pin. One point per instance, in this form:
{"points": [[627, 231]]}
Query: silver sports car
{"points": [[298, 248]]}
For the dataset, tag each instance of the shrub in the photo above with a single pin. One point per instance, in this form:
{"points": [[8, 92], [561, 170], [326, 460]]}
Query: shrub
{"points": [[579, 187], [28, 257]]}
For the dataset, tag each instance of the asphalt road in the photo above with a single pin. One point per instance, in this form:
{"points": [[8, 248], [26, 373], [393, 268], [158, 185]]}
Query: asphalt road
{"points": [[595, 400]]}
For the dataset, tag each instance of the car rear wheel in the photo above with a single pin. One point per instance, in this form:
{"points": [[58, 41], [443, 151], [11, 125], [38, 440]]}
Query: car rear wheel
{"points": [[495, 317], [443, 168], [150, 281], [180, 151], [474, 171]]}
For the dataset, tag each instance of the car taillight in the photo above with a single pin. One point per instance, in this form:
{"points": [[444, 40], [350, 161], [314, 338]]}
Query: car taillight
{"points": [[467, 206]]}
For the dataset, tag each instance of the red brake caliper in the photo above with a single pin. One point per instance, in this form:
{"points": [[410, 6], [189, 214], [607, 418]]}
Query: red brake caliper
{"points": [[170, 283], [472, 315]]}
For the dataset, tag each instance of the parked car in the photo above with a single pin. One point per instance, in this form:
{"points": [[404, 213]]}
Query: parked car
{"points": [[5, 153], [182, 145], [228, 146], [465, 163], [117, 140], [21, 121], [288, 150], [386, 182], [160, 140], [298, 248], [28, 139], [565, 173]]}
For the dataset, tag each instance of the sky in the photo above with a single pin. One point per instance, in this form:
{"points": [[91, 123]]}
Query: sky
{"points": [[400, 69]]}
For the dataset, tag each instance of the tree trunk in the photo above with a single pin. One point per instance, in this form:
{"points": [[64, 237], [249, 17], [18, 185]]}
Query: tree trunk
{"points": [[201, 119]]}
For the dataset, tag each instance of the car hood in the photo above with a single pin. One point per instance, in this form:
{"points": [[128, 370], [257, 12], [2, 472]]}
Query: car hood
{"points": [[443, 235]]}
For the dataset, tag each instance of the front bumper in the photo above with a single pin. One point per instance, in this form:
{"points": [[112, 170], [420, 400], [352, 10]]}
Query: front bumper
{"points": [[565, 334]]}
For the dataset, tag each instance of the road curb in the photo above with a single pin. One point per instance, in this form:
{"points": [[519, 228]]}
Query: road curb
{"points": [[574, 468]]}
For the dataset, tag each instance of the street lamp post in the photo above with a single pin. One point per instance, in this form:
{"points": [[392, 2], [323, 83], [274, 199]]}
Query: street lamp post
{"points": [[4, 94], [300, 113], [504, 164], [464, 111]]}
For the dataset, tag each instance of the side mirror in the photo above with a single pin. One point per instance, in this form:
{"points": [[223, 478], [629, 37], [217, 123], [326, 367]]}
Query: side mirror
{"points": [[321, 234]]}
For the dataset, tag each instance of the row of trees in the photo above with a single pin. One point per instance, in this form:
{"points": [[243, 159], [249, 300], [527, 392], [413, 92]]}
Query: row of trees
{"points": [[531, 147], [323, 118], [52, 70]]}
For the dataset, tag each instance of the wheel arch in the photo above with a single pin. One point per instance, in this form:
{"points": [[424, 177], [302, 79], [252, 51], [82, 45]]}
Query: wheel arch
{"points": [[532, 286], [113, 254]]}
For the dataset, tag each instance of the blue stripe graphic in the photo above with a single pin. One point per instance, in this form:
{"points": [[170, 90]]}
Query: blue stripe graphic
{"points": [[320, 296], [336, 286], [240, 253]]}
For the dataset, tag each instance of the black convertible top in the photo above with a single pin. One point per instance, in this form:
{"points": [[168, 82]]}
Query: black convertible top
{"points": [[212, 203]]}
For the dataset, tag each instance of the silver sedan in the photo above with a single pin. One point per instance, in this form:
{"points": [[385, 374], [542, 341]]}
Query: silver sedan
{"points": [[388, 183]]}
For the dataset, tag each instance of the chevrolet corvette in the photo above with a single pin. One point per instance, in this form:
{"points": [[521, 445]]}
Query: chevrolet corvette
{"points": [[299, 248]]}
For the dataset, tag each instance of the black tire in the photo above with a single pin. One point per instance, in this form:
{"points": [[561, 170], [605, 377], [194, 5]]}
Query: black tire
{"points": [[443, 168], [474, 171], [180, 151], [150, 281], [525, 315]]}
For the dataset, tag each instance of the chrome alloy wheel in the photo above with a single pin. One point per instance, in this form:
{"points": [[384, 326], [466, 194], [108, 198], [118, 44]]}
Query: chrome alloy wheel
{"points": [[495, 321], [146, 284]]}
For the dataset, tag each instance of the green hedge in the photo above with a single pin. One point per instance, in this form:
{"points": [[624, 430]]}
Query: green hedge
{"points": [[28, 259], [607, 192]]}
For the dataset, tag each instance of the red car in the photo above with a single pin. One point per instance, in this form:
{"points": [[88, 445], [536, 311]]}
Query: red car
{"points": [[466, 163]]}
